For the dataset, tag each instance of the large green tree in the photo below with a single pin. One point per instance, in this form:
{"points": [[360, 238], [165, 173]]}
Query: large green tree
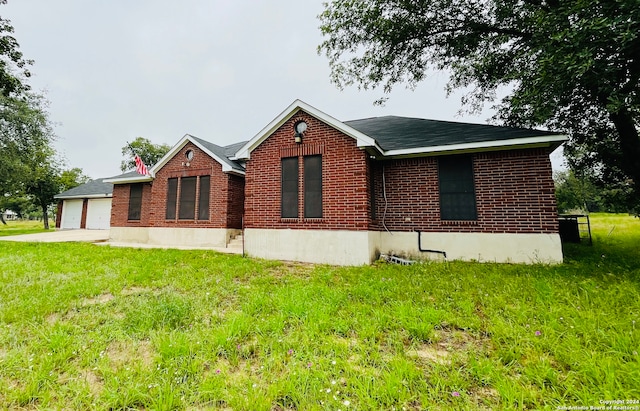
{"points": [[149, 152], [13, 65], [25, 133], [572, 66]]}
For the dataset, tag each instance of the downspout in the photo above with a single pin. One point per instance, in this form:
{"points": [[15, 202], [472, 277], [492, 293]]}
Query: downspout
{"points": [[242, 224], [384, 194], [444, 253]]}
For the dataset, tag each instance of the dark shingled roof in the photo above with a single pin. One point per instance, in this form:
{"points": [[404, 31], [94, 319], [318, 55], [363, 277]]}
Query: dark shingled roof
{"points": [[93, 188], [222, 152], [128, 174], [398, 133]]}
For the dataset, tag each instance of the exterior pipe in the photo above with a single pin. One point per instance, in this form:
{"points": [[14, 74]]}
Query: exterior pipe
{"points": [[444, 253]]}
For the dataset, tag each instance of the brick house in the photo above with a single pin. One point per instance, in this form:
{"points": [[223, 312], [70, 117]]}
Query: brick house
{"points": [[321, 190], [193, 196], [311, 188]]}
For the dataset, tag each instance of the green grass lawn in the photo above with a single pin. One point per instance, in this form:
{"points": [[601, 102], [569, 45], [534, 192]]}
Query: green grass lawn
{"points": [[94, 327], [23, 227]]}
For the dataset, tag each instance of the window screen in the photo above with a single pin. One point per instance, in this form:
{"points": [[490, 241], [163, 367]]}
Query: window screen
{"points": [[313, 187], [203, 200], [289, 199], [457, 192], [187, 210], [172, 195], [135, 202]]}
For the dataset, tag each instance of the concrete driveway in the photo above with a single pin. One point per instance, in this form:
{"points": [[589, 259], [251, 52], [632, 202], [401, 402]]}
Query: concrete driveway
{"points": [[62, 236]]}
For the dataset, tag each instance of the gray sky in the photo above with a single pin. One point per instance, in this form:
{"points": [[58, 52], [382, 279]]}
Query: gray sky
{"points": [[220, 70]]}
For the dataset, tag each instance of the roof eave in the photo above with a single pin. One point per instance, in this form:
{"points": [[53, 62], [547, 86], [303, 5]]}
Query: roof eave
{"points": [[129, 180], [77, 196], [552, 142]]}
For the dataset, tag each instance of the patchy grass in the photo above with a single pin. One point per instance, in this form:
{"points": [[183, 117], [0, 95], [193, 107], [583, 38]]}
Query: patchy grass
{"points": [[17, 227], [86, 327]]}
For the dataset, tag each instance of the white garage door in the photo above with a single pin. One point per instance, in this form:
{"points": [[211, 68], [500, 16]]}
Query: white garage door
{"points": [[71, 214], [99, 214]]}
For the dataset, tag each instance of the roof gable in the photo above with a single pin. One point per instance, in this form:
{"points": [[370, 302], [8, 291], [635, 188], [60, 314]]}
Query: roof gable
{"points": [[218, 153], [244, 152]]}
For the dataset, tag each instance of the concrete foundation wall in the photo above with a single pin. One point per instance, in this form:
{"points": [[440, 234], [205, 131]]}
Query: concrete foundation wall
{"points": [[192, 237], [338, 247], [341, 247], [482, 247]]}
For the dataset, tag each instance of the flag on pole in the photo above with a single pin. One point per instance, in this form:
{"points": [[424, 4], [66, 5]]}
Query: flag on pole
{"points": [[140, 167]]}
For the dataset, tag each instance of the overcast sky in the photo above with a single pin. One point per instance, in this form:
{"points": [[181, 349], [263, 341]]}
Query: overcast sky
{"points": [[220, 70]]}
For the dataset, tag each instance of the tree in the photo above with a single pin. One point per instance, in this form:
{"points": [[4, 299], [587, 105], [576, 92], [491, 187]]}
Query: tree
{"points": [[43, 184], [13, 65], [581, 192], [572, 66], [71, 178], [25, 133], [149, 153]]}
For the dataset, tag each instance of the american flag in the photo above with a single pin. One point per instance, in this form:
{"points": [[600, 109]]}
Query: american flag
{"points": [[140, 167]]}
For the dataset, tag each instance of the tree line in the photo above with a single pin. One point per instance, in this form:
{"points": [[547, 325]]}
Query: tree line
{"points": [[31, 171]]}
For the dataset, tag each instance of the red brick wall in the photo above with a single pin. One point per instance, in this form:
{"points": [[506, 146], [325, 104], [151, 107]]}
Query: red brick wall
{"points": [[344, 177], [120, 206], [223, 187], [514, 194], [83, 218], [235, 201], [59, 213]]}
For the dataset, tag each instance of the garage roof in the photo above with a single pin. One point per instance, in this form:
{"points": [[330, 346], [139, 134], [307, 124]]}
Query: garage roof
{"points": [[93, 189]]}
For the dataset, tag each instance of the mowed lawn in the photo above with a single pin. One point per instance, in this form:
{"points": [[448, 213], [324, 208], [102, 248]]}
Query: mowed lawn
{"points": [[94, 327]]}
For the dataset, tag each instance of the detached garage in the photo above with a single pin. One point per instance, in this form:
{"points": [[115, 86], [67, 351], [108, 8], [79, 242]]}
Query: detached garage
{"points": [[86, 206]]}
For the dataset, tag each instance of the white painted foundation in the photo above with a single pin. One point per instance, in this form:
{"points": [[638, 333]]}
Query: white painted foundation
{"points": [[482, 247], [182, 237], [342, 247], [339, 247]]}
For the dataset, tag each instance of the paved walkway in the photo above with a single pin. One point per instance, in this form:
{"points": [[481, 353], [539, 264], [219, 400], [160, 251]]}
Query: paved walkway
{"points": [[101, 237], [62, 236]]}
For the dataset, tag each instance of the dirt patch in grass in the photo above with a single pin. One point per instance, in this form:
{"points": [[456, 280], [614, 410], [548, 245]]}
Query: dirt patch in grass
{"points": [[94, 382], [100, 299], [122, 353], [292, 269], [446, 342], [135, 291], [484, 396], [429, 353], [52, 318]]}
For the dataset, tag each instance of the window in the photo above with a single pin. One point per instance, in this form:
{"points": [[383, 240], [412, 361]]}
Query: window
{"points": [[187, 209], [203, 200], [184, 204], [313, 187], [135, 201], [172, 194], [457, 191], [289, 195]]}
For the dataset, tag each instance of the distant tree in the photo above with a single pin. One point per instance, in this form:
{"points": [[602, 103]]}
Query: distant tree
{"points": [[149, 153], [584, 193], [43, 184], [71, 178], [575, 194], [572, 66], [19, 203]]}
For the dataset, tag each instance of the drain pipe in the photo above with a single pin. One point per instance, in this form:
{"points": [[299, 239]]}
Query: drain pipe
{"points": [[444, 253], [386, 203]]}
